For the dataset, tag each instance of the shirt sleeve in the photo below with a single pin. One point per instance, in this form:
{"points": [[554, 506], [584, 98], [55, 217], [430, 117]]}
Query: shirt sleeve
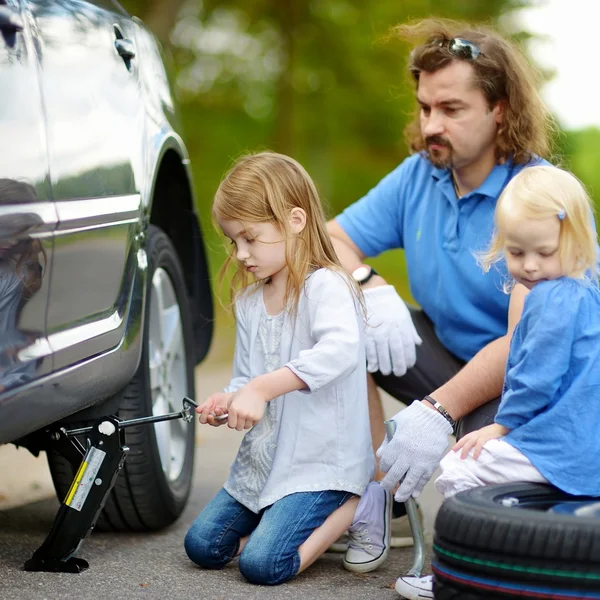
{"points": [[331, 316], [540, 353], [241, 357], [374, 223]]}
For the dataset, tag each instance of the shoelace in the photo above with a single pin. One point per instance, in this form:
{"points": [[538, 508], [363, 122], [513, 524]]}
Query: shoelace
{"points": [[358, 539]]}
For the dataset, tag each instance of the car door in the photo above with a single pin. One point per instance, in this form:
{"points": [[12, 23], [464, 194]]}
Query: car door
{"points": [[89, 81], [27, 214]]}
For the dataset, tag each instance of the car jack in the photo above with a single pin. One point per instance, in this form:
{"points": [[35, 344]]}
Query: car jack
{"points": [[98, 465]]}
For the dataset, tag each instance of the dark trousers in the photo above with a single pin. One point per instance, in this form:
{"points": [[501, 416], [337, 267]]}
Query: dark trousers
{"points": [[435, 366]]}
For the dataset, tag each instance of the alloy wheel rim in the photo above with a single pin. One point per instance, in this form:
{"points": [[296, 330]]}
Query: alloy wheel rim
{"points": [[168, 372]]}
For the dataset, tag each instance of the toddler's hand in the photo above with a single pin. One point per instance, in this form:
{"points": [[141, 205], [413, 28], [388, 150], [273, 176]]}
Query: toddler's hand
{"points": [[213, 406], [476, 439], [246, 408]]}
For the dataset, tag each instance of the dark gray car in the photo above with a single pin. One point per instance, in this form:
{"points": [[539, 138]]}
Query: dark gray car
{"points": [[105, 301]]}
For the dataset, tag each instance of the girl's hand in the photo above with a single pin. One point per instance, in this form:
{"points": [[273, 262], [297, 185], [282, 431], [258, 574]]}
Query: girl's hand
{"points": [[476, 439], [246, 408], [213, 406]]}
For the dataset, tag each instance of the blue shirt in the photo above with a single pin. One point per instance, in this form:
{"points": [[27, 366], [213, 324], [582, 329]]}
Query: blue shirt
{"points": [[415, 208], [551, 397]]}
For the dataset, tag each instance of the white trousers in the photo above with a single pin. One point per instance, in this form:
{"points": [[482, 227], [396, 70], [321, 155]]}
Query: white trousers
{"points": [[498, 462]]}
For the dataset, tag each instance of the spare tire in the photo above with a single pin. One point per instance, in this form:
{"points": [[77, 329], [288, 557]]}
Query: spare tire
{"points": [[517, 540]]}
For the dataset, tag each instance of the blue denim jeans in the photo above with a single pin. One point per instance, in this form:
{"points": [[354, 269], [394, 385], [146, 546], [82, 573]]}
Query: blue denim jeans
{"points": [[271, 555]]}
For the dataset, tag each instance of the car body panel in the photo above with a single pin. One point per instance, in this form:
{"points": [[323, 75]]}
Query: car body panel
{"points": [[95, 130], [27, 215], [64, 392], [91, 276], [107, 128]]}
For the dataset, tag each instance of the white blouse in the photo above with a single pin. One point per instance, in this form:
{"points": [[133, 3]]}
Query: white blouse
{"points": [[311, 440]]}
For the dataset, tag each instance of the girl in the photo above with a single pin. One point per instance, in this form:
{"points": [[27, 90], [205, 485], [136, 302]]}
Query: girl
{"points": [[299, 381], [547, 424]]}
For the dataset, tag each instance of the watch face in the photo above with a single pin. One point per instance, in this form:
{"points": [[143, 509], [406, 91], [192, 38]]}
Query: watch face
{"points": [[361, 273]]}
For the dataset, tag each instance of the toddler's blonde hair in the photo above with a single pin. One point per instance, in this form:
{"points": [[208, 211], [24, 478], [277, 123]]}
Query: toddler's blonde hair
{"points": [[542, 192]]}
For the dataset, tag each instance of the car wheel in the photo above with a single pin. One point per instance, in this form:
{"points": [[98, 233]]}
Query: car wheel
{"points": [[152, 488], [517, 540]]}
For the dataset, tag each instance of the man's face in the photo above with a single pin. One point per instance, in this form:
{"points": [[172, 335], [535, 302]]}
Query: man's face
{"points": [[457, 124]]}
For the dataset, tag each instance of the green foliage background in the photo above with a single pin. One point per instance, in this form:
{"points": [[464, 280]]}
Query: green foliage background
{"points": [[314, 79]]}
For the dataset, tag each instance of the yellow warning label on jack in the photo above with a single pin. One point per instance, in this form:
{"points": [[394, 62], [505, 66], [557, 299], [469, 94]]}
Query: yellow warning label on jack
{"points": [[85, 478]]}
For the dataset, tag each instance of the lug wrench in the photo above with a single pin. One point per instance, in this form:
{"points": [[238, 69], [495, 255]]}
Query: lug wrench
{"points": [[413, 519]]}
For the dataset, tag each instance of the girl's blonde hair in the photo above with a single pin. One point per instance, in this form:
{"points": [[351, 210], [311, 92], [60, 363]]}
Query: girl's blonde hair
{"points": [[264, 188], [542, 192]]}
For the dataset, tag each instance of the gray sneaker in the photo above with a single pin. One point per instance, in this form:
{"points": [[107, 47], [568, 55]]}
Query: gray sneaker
{"points": [[401, 536], [415, 588], [369, 534]]}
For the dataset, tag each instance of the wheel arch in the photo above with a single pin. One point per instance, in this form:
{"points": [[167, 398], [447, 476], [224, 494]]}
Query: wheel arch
{"points": [[172, 209]]}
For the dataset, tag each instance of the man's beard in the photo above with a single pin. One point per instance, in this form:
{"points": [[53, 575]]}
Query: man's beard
{"points": [[439, 159]]}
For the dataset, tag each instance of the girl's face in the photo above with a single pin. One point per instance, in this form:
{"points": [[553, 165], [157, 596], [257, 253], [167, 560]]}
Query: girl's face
{"points": [[531, 249], [259, 246]]}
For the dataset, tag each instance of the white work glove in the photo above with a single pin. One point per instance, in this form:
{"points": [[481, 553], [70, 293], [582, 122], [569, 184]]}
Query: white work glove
{"points": [[415, 451], [391, 337]]}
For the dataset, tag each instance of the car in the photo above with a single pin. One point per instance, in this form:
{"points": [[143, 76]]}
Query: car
{"points": [[105, 295]]}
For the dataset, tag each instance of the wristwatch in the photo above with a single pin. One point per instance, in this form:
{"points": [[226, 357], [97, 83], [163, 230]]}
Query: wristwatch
{"points": [[363, 273]]}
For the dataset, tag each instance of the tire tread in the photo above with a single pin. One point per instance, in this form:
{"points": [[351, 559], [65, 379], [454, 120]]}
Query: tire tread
{"points": [[138, 502]]}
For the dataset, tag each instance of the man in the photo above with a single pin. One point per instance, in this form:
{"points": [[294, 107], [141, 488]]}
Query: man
{"points": [[480, 122]]}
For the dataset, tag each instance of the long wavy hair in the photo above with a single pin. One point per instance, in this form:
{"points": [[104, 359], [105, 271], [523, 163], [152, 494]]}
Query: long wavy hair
{"points": [[501, 72], [542, 192], [264, 188]]}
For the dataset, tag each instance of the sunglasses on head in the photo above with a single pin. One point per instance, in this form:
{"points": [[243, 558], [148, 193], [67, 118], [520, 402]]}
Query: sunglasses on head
{"points": [[461, 48]]}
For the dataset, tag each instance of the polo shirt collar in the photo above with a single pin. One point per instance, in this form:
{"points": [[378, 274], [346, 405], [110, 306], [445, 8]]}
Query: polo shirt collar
{"points": [[493, 184]]}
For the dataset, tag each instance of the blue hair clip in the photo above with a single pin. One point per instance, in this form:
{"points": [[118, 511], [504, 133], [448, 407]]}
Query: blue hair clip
{"points": [[562, 214]]}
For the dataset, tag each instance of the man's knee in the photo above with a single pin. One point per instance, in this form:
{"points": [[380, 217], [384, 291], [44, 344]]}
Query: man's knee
{"points": [[204, 551], [264, 565]]}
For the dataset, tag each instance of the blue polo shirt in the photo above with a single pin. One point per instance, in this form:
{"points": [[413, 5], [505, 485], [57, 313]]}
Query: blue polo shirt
{"points": [[415, 208]]}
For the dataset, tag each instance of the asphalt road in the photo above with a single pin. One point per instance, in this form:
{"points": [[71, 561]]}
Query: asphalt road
{"points": [[155, 565]]}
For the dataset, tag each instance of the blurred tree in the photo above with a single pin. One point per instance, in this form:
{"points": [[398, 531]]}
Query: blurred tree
{"points": [[158, 15], [310, 78], [578, 149]]}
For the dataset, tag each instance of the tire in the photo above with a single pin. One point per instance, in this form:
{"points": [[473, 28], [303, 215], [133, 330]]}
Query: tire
{"points": [[519, 549], [442, 590], [152, 489]]}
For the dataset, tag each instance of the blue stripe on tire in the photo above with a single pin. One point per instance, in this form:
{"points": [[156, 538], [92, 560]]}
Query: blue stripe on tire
{"points": [[497, 585]]}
